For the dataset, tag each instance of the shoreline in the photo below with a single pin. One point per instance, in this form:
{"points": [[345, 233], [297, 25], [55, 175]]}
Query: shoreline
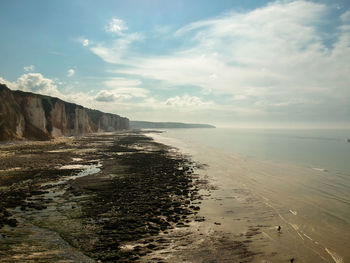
{"points": [[115, 197], [121, 197], [261, 193]]}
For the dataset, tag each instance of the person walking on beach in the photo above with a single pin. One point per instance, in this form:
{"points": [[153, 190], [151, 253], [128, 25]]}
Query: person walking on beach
{"points": [[279, 229]]}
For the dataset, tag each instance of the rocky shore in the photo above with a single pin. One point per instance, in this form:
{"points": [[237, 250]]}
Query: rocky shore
{"points": [[112, 197], [103, 197]]}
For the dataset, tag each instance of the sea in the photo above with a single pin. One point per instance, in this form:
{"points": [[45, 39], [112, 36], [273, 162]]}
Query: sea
{"points": [[294, 178]]}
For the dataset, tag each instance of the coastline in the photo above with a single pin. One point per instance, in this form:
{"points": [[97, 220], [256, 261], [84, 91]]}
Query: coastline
{"points": [[121, 197], [110, 197]]}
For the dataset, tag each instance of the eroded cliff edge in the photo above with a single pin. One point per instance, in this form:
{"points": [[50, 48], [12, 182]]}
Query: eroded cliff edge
{"points": [[38, 117]]}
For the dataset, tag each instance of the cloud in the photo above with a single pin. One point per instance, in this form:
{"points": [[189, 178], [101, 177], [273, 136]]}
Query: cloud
{"points": [[29, 68], [133, 92], [9, 84], [85, 42], [121, 94], [110, 96], [345, 17], [37, 83], [243, 50], [116, 26], [70, 72], [268, 57], [117, 51], [186, 101], [122, 82], [285, 60], [121, 89]]}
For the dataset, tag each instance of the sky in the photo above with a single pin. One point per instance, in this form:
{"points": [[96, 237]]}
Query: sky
{"points": [[250, 63]]}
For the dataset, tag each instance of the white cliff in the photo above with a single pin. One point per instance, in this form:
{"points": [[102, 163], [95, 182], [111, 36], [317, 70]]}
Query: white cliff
{"points": [[34, 116]]}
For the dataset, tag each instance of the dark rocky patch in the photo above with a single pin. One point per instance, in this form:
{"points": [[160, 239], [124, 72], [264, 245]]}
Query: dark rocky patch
{"points": [[152, 195], [151, 191]]}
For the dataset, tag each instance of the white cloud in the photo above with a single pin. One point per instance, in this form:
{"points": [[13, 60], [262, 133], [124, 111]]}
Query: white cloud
{"points": [[186, 101], [37, 83], [273, 60], [265, 55], [118, 50], [9, 84], [85, 42], [346, 17], [110, 96], [133, 92], [121, 94], [248, 50], [70, 72], [116, 26], [122, 82], [121, 89], [29, 68]]}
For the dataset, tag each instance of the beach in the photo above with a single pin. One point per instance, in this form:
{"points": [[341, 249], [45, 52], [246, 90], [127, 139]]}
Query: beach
{"points": [[147, 197], [115, 197], [175, 131]]}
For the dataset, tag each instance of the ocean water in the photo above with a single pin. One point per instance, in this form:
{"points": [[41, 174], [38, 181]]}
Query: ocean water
{"points": [[299, 179]]}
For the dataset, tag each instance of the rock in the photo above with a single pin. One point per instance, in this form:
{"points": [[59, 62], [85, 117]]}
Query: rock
{"points": [[12, 222], [39, 117]]}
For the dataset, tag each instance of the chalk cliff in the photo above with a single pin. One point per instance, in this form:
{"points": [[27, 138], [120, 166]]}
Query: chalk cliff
{"points": [[38, 117]]}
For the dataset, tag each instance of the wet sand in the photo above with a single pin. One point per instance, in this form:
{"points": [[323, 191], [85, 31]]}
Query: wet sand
{"points": [[252, 198]]}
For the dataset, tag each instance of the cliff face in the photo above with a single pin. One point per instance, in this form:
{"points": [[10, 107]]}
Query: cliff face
{"points": [[38, 117]]}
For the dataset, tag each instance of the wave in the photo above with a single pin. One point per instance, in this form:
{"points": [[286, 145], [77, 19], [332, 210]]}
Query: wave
{"points": [[293, 212], [319, 169], [335, 256]]}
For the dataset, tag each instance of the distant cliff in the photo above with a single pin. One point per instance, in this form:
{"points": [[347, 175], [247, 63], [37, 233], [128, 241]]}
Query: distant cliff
{"points": [[38, 117], [165, 125]]}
